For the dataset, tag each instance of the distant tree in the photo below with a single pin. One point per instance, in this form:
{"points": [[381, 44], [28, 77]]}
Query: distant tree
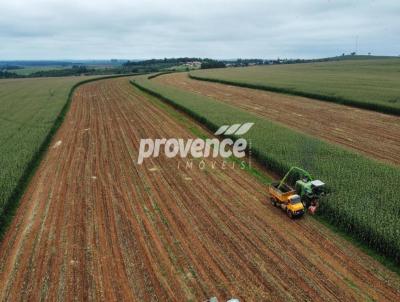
{"points": [[206, 64], [7, 75]]}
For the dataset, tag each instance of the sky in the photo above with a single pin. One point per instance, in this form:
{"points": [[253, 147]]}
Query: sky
{"points": [[131, 29]]}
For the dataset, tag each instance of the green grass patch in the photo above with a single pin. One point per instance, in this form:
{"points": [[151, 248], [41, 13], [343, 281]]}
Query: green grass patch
{"points": [[363, 199], [370, 84]]}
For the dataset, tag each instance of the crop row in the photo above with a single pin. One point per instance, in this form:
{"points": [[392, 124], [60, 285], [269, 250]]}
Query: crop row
{"points": [[362, 198]]}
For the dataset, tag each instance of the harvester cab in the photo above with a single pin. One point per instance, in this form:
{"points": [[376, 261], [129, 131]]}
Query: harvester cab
{"points": [[310, 191]]}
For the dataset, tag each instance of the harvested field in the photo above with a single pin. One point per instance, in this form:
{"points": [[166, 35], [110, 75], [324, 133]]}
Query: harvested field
{"points": [[371, 133], [94, 225]]}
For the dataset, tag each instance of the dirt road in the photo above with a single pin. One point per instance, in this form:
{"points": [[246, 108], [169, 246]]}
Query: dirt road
{"points": [[94, 225], [374, 134]]}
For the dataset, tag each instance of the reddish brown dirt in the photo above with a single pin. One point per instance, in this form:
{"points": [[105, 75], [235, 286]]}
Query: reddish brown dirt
{"points": [[371, 133], [94, 225]]}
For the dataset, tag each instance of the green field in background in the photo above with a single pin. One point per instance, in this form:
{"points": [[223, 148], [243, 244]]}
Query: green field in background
{"points": [[372, 84], [28, 70]]}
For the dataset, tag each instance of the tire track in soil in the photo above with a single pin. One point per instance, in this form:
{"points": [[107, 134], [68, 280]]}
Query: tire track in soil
{"points": [[95, 225], [374, 134]]}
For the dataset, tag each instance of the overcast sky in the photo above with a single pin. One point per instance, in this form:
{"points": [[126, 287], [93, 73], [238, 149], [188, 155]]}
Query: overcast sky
{"points": [[132, 29]]}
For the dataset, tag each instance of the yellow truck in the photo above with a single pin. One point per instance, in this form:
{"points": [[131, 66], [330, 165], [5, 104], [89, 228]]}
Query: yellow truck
{"points": [[283, 196]]}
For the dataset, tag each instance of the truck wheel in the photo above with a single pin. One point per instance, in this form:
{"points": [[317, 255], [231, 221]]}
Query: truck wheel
{"points": [[289, 213], [273, 202]]}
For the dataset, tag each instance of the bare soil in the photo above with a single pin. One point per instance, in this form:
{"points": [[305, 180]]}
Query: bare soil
{"points": [[94, 225], [371, 133]]}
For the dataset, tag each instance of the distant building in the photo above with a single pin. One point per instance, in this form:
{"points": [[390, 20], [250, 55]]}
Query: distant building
{"points": [[193, 64]]}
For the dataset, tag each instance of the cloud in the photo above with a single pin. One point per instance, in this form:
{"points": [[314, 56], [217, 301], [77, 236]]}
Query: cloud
{"points": [[44, 29]]}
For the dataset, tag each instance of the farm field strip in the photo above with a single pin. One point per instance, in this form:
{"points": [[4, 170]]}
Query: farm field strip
{"points": [[374, 134], [94, 225], [372, 84], [29, 108], [358, 187]]}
